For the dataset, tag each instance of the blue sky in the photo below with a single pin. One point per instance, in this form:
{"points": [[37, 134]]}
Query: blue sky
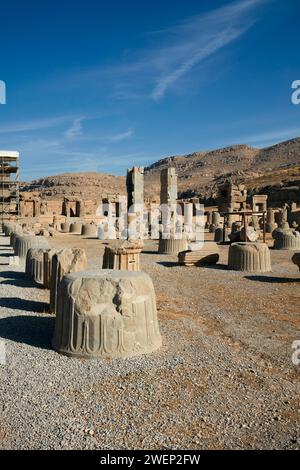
{"points": [[100, 86]]}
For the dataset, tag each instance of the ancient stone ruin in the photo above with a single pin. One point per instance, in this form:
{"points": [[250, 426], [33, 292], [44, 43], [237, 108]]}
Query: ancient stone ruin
{"points": [[208, 253], [106, 314], [286, 240], [64, 262], [250, 257], [123, 256]]}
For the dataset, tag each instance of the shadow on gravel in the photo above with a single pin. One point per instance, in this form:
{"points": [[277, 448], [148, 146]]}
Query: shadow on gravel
{"points": [[150, 252], [224, 267], [12, 274], [16, 303], [273, 279], [35, 331], [168, 264], [20, 283]]}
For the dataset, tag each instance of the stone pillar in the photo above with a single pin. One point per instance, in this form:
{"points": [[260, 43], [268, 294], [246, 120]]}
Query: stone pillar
{"points": [[135, 196], [188, 217], [168, 186], [270, 223], [135, 186], [168, 198]]}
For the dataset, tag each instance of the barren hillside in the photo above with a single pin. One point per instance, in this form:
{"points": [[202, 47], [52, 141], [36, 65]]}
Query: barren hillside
{"points": [[200, 173]]}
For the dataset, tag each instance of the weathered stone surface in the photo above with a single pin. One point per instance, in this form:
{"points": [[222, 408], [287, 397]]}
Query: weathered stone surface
{"points": [[65, 227], [24, 242], [250, 257], [172, 245], [64, 262], [221, 235], [123, 256], [13, 261], [34, 267], [76, 228], [296, 259], [17, 231], [47, 266], [168, 186], [106, 314], [89, 230], [252, 235], [270, 223], [216, 222], [207, 254], [286, 240]]}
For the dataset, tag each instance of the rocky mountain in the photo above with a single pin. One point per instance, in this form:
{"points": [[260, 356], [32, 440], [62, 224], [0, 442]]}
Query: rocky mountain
{"points": [[84, 185], [200, 173]]}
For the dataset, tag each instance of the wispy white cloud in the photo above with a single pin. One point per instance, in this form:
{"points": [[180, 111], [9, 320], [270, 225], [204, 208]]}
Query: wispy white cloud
{"points": [[170, 54], [35, 124], [197, 39], [75, 129], [122, 136]]}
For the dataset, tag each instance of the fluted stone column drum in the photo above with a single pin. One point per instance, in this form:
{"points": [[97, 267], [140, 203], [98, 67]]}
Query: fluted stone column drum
{"points": [[89, 230], [172, 246], [106, 314], [64, 262], [47, 266], [250, 257], [24, 242], [221, 235], [287, 240], [13, 236], [65, 227], [76, 228], [35, 265]]}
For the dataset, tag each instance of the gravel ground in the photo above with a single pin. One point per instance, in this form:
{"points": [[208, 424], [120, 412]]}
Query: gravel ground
{"points": [[223, 379]]}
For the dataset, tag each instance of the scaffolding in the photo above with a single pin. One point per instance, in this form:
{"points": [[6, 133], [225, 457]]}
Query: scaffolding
{"points": [[9, 186]]}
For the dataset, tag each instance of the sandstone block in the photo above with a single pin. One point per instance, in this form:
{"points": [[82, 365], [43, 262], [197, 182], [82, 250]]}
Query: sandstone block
{"points": [[24, 242], [64, 262], [47, 266], [106, 314], [207, 254], [172, 245], [89, 230], [287, 240], [250, 257], [65, 227], [123, 256], [34, 267], [76, 228]]}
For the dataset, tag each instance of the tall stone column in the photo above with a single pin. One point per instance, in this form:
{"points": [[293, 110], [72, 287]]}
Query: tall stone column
{"points": [[270, 224], [135, 200]]}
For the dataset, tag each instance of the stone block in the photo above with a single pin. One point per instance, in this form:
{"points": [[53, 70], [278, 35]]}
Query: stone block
{"points": [[207, 254], [172, 246], [64, 262], [286, 240], [123, 256], [106, 314], [24, 242], [250, 257], [89, 230], [65, 227], [76, 228], [34, 267]]}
